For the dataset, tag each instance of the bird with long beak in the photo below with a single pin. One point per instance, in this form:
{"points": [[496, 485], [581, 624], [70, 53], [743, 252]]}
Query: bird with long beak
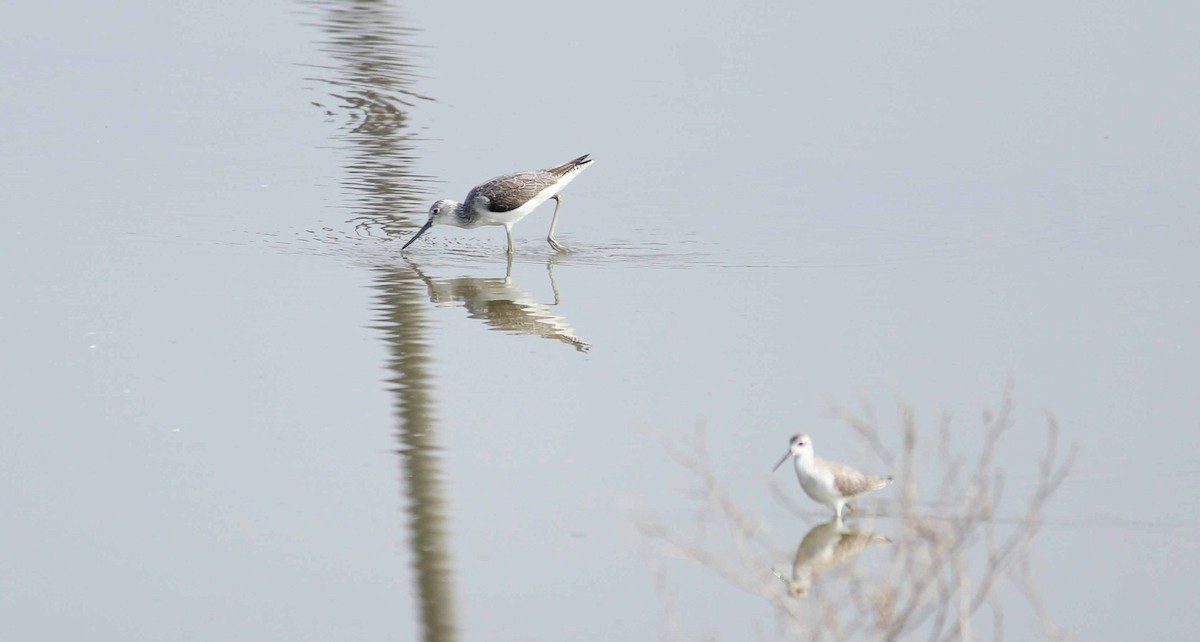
{"points": [[825, 546], [506, 199], [828, 482]]}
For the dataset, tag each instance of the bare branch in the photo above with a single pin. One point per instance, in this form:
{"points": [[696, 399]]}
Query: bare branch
{"points": [[940, 575]]}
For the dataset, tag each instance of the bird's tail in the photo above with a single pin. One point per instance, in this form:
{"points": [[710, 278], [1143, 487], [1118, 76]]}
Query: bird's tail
{"points": [[571, 165]]}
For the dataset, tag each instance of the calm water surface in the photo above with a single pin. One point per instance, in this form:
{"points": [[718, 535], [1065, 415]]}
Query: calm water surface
{"points": [[232, 410]]}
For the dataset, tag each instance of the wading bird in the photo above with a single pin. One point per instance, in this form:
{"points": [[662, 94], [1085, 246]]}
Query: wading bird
{"points": [[828, 482], [506, 199]]}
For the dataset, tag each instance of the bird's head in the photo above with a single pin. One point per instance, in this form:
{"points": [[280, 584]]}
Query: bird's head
{"points": [[799, 446], [443, 212]]}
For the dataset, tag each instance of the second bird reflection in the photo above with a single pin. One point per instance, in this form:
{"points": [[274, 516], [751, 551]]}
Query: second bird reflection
{"points": [[504, 306], [825, 546]]}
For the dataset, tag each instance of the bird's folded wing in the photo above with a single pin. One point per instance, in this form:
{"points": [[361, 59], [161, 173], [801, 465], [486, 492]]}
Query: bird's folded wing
{"points": [[508, 192], [850, 482]]}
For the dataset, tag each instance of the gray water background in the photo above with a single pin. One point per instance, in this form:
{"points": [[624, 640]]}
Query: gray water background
{"points": [[221, 383]]}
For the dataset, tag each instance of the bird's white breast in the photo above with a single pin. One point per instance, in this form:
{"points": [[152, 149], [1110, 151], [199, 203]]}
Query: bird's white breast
{"points": [[816, 482]]}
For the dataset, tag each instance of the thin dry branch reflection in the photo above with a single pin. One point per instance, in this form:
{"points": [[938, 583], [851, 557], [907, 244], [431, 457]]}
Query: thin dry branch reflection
{"points": [[940, 576], [371, 87], [369, 93]]}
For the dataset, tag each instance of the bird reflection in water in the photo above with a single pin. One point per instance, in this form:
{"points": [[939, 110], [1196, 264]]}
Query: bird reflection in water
{"points": [[504, 306], [825, 546]]}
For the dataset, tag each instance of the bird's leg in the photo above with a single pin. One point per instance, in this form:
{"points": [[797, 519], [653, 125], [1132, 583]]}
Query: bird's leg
{"points": [[550, 271], [554, 222], [508, 232], [837, 510]]}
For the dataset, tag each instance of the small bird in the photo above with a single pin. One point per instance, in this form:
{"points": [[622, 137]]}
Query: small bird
{"points": [[828, 482], [506, 199], [825, 546]]}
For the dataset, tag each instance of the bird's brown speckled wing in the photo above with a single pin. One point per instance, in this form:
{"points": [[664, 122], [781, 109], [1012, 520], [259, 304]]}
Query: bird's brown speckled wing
{"points": [[850, 482], [508, 192]]}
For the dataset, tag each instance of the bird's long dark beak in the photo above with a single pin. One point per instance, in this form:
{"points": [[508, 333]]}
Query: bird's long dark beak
{"points": [[424, 228], [785, 458]]}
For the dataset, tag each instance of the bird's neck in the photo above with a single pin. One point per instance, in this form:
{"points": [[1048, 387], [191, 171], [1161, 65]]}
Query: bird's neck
{"points": [[464, 216], [805, 461]]}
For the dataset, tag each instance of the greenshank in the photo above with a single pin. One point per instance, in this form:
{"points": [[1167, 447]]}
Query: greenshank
{"points": [[506, 199], [825, 546], [828, 482]]}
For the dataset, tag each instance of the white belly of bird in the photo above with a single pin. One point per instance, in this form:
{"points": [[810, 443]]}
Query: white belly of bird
{"points": [[818, 487]]}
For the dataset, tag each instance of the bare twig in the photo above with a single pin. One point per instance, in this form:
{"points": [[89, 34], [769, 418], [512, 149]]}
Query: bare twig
{"points": [[944, 571]]}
